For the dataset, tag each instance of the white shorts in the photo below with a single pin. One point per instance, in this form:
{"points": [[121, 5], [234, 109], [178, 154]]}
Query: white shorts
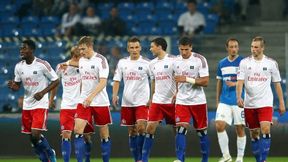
{"points": [[228, 113]]}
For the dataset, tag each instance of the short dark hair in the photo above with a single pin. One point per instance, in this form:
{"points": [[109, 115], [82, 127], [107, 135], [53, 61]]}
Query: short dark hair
{"points": [[31, 44], [192, 1], [185, 41], [160, 42], [133, 39], [260, 39], [231, 39]]}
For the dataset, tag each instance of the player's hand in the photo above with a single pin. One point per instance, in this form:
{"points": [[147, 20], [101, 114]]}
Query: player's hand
{"points": [[63, 66], [12, 85], [180, 78], [240, 103], [38, 96], [52, 105], [149, 103], [115, 100], [88, 101], [282, 109], [230, 84], [174, 99]]}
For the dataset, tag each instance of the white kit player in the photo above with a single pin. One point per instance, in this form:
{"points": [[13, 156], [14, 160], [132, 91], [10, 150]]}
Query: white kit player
{"points": [[38, 78], [71, 82], [163, 89], [134, 70]]}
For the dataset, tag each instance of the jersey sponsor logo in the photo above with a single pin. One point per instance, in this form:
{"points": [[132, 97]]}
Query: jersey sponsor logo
{"points": [[257, 78], [72, 81], [28, 82]]}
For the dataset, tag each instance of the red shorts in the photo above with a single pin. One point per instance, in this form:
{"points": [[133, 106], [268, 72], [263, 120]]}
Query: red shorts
{"points": [[67, 121], [130, 115], [100, 114], [183, 114], [253, 117], [158, 112], [34, 119]]}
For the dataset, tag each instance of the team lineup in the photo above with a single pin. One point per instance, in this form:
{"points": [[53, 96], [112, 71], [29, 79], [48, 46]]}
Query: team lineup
{"points": [[168, 87]]}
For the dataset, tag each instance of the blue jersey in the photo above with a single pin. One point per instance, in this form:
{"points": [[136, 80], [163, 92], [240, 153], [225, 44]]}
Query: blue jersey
{"points": [[227, 71]]}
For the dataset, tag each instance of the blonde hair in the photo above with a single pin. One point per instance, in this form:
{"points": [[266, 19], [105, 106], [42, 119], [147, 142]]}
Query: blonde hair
{"points": [[74, 52], [87, 40], [260, 39]]}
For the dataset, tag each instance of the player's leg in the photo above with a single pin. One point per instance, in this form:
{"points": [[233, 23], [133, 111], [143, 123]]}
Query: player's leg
{"points": [[155, 115], [38, 140], [182, 117], [88, 145], [102, 117], [141, 114], [239, 122], [265, 118], [200, 123], [252, 121], [223, 117], [67, 126]]}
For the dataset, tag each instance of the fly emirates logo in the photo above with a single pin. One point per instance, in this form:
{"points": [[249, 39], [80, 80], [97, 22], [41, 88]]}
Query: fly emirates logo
{"points": [[88, 76], [72, 81], [257, 78], [133, 76], [162, 76], [28, 82]]}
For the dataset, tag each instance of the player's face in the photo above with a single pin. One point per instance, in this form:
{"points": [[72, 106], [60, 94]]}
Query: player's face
{"points": [[134, 49], [256, 48], [25, 51], [185, 51], [154, 49], [84, 50], [232, 48]]}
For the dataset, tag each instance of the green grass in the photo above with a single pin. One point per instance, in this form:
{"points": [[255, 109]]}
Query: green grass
{"points": [[213, 159]]}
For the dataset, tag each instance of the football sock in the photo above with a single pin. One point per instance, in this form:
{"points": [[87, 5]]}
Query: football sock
{"points": [[106, 149], [87, 151], [204, 144], [256, 146], [181, 143], [66, 149], [241, 144], [133, 147], [223, 141], [140, 142], [79, 147], [148, 142], [265, 146]]}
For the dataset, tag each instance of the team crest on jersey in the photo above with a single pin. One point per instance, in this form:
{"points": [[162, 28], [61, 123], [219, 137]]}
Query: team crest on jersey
{"points": [[92, 67], [140, 68], [34, 72], [191, 67], [165, 66], [264, 68]]}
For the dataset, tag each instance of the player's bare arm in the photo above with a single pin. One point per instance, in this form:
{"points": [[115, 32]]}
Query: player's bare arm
{"points": [[53, 93], [15, 86], [218, 91], [279, 93], [100, 86], [38, 96], [115, 98], [239, 88], [230, 84]]}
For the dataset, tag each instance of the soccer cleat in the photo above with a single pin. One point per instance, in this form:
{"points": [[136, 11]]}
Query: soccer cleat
{"points": [[239, 159], [177, 161], [52, 157], [226, 159]]}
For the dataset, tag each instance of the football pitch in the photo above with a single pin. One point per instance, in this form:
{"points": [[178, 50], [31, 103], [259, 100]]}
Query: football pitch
{"points": [[213, 159]]}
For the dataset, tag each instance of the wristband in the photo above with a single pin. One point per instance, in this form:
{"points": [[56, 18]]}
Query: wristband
{"points": [[190, 80]]}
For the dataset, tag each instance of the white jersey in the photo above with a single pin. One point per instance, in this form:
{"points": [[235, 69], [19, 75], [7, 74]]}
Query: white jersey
{"points": [[91, 70], [165, 86], [257, 76], [194, 67], [35, 77], [135, 74], [71, 82]]}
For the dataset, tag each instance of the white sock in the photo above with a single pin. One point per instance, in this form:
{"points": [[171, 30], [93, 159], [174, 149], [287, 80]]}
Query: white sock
{"points": [[223, 143], [241, 143]]}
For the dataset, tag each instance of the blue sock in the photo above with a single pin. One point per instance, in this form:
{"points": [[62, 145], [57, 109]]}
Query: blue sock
{"points": [[181, 143], [140, 142], [79, 147], [147, 145], [66, 149], [133, 147], [41, 154], [106, 149], [44, 145], [265, 146], [87, 151], [256, 146], [204, 143]]}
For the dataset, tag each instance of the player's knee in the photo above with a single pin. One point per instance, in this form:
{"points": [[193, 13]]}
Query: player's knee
{"points": [[181, 130], [202, 133], [66, 135], [151, 128], [220, 126], [255, 134]]}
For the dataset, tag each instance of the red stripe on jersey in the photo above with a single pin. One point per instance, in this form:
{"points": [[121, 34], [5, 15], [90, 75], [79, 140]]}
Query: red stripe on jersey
{"points": [[103, 62], [45, 63], [201, 58]]}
